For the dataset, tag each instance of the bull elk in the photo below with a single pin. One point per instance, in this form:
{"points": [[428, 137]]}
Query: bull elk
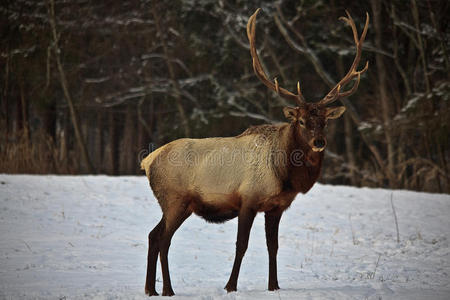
{"points": [[260, 170]]}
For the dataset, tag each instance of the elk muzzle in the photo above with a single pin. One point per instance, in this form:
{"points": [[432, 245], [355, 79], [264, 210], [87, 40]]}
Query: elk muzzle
{"points": [[318, 144]]}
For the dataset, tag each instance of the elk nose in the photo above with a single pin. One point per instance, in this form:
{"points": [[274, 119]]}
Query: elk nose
{"points": [[319, 143]]}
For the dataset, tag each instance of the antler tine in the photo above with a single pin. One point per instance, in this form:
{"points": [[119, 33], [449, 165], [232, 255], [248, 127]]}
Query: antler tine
{"points": [[335, 93], [300, 99], [257, 67]]}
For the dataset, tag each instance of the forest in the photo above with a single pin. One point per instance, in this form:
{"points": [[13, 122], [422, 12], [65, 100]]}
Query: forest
{"points": [[91, 87]]}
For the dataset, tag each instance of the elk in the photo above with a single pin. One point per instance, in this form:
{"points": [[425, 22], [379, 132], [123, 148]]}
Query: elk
{"points": [[260, 170]]}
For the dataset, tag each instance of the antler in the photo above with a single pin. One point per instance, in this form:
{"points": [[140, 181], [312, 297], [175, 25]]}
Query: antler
{"points": [[335, 93], [259, 71]]}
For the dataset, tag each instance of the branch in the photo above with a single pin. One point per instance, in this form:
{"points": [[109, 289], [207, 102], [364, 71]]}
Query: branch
{"points": [[65, 87], [304, 49], [168, 59]]}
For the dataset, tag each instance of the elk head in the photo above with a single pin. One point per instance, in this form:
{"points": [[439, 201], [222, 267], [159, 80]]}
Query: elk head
{"points": [[310, 119]]}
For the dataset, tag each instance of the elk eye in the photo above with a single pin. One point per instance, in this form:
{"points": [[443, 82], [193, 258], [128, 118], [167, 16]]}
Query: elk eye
{"points": [[301, 122]]}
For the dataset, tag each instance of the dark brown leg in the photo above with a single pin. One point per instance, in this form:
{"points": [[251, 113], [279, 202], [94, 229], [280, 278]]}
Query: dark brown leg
{"points": [[272, 224], [245, 221], [171, 225], [153, 250]]}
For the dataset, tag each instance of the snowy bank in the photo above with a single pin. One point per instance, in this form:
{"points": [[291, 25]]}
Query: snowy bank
{"points": [[72, 237]]}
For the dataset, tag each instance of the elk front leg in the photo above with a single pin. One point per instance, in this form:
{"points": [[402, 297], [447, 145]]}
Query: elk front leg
{"points": [[272, 222], [245, 221]]}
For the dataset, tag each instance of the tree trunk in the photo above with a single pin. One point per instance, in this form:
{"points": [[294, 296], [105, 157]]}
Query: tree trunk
{"points": [[24, 112], [113, 145], [128, 144], [63, 158], [5, 101], [173, 79], [65, 88], [98, 142], [415, 13], [350, 149], [382, 90], [348, 133]]}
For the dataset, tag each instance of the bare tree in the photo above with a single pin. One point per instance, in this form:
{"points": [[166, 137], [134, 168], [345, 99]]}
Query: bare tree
{"points": [[382, 90], [169, 62], [65, 87]]}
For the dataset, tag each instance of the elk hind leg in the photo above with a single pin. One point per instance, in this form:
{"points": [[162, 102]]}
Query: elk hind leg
{"points": [[153, 250], [173, 220]]}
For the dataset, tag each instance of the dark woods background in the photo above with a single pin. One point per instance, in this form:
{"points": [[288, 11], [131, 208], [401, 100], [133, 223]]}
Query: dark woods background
{"points": [[86, 86]]}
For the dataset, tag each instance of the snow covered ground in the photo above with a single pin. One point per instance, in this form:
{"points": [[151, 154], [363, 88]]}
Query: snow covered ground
{"points": [[72, 237]]}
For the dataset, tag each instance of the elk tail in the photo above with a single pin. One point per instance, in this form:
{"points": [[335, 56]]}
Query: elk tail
{"points": [[148, 160]]}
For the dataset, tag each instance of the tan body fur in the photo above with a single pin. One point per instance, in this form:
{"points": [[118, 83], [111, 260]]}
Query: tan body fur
{"points": [[214, 177]]}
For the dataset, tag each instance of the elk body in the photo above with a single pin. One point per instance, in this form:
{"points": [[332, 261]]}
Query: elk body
{"points": [[261, 170]]}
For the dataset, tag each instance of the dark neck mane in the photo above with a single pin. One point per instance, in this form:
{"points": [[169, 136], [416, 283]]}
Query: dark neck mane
{"points": [[304, 165]]}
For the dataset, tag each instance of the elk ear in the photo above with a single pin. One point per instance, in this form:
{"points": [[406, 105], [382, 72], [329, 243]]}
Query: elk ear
{"points": [[334, 112], [290, 113]]}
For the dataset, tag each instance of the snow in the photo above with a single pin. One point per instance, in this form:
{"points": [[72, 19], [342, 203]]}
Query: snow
{"points": [[77, 237]]}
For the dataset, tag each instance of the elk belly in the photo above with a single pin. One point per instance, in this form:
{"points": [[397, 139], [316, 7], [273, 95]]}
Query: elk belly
{"points": [[215, 208]]}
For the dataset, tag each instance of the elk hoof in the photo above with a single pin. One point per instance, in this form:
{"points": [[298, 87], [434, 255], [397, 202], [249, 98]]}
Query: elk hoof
{"points": [[230, 288], [273, 287], [168, 292], [151, 293]]}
